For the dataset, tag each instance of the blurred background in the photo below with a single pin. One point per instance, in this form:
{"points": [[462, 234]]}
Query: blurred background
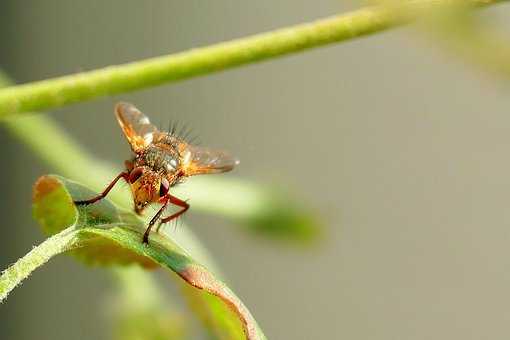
{"points": [[399, 144]]}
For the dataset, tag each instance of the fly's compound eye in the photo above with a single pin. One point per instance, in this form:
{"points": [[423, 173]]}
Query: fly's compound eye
{"points": [[135, 175], [163, 187]]}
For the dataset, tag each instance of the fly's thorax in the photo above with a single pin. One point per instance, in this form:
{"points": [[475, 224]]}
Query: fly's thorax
{"points": [[160, 158]]}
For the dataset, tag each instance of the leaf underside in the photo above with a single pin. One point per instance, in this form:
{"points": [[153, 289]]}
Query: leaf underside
{"points": [[108, 235]]}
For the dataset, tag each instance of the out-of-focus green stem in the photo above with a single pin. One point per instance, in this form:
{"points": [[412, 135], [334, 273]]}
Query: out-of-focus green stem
{"points": [[474, 40], [144, 313], [65, 90], [56, 148]]}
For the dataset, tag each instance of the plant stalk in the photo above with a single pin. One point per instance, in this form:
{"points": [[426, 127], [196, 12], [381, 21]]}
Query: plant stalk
{"points": [[57, 92]]}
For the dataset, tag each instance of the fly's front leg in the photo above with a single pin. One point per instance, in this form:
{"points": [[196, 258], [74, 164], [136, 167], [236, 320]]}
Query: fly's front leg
{"points": [[102, 195], [168, 199], [153, 221]]}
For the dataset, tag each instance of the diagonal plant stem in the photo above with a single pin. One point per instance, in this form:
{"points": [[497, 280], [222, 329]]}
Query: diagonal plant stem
{"points": [[19, 271], [75, 88]]}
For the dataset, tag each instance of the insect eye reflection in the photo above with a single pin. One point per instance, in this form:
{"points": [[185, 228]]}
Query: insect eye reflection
{"points": [[135, 175]]}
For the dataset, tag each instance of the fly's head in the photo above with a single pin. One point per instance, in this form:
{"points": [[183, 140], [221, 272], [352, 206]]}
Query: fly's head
{"points": [[147, 187]]}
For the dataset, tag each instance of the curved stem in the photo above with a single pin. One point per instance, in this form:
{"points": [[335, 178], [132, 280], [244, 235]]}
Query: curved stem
{"points": [[61, 91], [38, 256]]}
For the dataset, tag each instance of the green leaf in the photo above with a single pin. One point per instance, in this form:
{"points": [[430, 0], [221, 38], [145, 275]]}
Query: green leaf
{"points": [[104, 234]]}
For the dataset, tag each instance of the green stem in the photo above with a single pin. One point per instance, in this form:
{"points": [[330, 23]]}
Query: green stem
{"points": [[58, 92], [38, 256]]}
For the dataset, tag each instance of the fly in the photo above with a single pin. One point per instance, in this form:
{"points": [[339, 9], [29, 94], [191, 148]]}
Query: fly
{"points": [[160, 161]]}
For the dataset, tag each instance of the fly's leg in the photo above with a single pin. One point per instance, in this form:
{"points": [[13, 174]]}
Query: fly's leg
{"points": [[183, 204], [170, 199], [153, 221], [102, 195]]}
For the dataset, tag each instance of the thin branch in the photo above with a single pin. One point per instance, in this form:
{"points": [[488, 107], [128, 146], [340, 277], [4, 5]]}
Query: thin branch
{"points": [[65, 90]]}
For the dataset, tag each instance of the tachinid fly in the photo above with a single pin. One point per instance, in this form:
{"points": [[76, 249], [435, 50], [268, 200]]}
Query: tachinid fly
{"points": [[161, 160]]}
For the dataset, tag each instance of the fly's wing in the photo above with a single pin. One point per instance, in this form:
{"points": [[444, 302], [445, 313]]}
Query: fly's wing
{"points": [[136, 126], [197, 160]]}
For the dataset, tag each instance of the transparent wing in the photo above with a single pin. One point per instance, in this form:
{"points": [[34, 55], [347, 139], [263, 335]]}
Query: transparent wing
{"points": [[198, 160], [136, 126]]}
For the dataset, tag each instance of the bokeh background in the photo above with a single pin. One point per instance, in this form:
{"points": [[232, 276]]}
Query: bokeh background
{"points": [[399, 144]]}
